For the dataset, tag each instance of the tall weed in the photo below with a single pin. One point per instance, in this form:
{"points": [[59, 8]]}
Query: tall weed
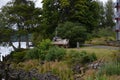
{"points": [[97, 78], [75, 57], [111, 68]]}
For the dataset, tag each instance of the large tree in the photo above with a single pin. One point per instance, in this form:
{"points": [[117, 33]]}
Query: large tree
{"points": [[6, 30], [72, 31], [109, 13], [24, 16], [58, 11], [102, 19]]}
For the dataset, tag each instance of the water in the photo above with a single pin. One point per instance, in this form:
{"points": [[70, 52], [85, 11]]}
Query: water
{"points": [[5, 50]]}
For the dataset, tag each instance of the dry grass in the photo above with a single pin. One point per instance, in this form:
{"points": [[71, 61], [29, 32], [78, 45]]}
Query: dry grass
{"points": [[60, 69], [115, 77], [105, 54], [100, 41]]}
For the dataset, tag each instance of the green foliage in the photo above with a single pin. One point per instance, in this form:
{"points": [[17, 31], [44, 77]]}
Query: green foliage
{"points": [[85, 12], [23, 15], [45, 44], [36, 37], [72, 31], [104, 32], [18, 56], [102, 19], [55, 53], [45, 51], [40, 51], [32, 54], [83, 57], [109, 14], [43, 48], [111, 68], [5, 34]]}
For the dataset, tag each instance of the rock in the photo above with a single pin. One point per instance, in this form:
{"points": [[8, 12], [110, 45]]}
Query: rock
{"points": [[50, 76], [77, 69], [8, 73]]}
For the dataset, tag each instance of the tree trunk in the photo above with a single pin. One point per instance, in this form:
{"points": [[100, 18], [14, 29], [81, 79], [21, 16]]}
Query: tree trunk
{"points": [[19, 42], [13, 46], [27, 41]]}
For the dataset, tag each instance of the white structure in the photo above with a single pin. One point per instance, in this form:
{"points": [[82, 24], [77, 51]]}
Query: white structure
{"points": [[117, 18], [60, 42]]}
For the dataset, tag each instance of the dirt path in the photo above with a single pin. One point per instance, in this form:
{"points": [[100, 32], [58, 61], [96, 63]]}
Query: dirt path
{"points": [[103, 47]]}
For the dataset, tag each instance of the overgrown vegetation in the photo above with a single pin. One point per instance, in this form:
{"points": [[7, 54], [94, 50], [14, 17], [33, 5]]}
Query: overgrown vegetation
{"points": [[55, 53], [76, 20], [61, 63], [18, 56], [46, 51], [83, 57], [110, 68]]}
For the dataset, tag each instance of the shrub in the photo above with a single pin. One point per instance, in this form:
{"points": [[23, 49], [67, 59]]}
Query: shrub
{"points": [[74, 57], [32, 54], [18, 56], [44, 44], [55, 53], [111, 68], [81, 57], [43, 48], [40, 51], [45, 51]]}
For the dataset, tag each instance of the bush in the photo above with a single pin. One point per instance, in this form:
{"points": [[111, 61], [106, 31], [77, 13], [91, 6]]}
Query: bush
{"points": [[81, 57], [40, 51], [55, 53], [32, 54], [44, 44], [111, 68], [45, 51], [18, 56]]}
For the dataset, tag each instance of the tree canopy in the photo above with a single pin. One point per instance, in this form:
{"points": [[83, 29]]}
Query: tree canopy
{"points": [[23, 16], [42, 22]]}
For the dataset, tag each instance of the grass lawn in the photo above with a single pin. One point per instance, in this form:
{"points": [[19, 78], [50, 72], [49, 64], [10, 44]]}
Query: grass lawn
{"points": [[106, 54]]}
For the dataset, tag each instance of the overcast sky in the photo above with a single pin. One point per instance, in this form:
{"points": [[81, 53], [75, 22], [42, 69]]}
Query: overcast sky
{"points": [[38, 3], [3, 2]]}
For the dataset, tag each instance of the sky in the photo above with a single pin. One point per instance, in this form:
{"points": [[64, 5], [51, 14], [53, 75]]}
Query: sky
{"points": [[38, 2], [3, 2]]}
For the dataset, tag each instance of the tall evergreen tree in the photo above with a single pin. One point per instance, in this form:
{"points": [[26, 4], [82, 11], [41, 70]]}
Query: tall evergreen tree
{"points": [[102, 19], [23, 15], [109, 13]]}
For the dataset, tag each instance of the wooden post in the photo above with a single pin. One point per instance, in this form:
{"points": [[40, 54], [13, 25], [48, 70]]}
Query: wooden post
{"points": [[78, 45]]}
